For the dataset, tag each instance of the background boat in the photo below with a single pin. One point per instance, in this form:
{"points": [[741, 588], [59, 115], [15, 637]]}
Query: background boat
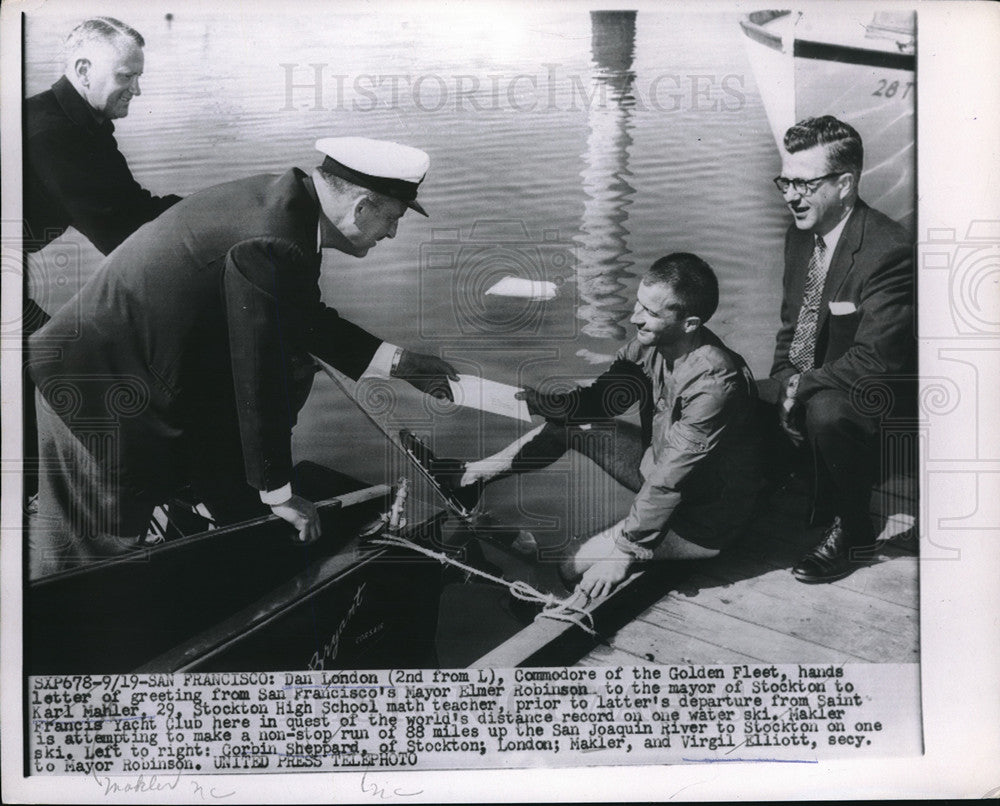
{"points": [[823, 62]]}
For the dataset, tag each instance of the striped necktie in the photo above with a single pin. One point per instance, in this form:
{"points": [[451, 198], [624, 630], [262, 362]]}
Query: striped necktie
{"points": [[802, 352]]}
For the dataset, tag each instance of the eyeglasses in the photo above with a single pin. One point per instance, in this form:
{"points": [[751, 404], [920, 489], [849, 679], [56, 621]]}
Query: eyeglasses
{"points": [[804, 187]]}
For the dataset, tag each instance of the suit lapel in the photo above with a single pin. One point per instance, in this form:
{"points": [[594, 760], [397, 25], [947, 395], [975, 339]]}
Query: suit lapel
{"points": [[843, 260]]}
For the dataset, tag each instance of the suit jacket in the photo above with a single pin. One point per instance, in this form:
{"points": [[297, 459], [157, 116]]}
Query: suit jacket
{"points": [[74, 174], [186, 337], [866, 327]]}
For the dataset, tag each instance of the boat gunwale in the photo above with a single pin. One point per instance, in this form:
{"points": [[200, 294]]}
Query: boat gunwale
{"points": [[753, 28], [341, 501], [846, 54]]}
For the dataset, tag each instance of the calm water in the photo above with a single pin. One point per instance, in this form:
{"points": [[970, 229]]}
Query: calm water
{"points": [[673, 153]]}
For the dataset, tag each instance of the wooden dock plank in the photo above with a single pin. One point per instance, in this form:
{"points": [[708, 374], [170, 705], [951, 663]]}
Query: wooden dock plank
{"points": [[609, 656], [781, 621], [828, 620], [893, 579], [890, 577], [889, 581], [785, 641], [681, 641]]}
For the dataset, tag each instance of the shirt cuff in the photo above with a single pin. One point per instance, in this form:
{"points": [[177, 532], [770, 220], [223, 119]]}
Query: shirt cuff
{"points": [[275, 497], [382, 362], [640, 551]]}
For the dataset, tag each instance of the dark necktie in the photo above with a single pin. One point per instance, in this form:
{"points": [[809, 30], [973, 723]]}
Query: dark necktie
{"points": [[802, 352]]}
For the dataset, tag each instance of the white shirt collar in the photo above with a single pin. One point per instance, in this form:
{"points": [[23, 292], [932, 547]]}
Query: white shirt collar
{"points": [[832, 238]]}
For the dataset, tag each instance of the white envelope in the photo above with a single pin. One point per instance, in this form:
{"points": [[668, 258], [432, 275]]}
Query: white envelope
{"points": [[486, 395], [842, 308]]}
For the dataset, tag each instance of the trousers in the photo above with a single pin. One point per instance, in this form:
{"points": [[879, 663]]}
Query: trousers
{"points": [[617, 447]]}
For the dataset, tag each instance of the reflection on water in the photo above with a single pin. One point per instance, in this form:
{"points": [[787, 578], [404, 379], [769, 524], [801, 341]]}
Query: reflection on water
{"points": [[603, 252]]}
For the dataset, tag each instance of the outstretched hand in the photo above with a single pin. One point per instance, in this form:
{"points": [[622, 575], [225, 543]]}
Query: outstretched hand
{"points": [[428, 373], [532, 398], [301, 514]]}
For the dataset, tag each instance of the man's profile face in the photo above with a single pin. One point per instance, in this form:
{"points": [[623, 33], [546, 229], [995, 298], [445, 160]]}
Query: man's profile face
{"points": [[658, 316], [820, 211], [374, 222], [111, 79]]}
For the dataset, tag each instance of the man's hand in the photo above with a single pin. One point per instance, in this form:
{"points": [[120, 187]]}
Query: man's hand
{"points": [[302, 515], [606, 572], [790, 413], [428, 373]]}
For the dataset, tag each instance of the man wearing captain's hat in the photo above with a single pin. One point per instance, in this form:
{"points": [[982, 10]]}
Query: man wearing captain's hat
{"points": [[187, 345]]}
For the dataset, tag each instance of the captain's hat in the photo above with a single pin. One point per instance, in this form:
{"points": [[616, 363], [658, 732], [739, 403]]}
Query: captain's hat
{"points": [[388, 168]]}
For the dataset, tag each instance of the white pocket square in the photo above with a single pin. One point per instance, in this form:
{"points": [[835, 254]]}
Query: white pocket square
{"points": [[842, 308]]}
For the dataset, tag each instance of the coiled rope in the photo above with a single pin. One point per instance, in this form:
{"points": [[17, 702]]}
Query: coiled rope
{"points": [[552, 607]]}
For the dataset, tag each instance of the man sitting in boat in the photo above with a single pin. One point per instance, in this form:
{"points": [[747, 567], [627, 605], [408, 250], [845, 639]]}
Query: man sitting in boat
{"points": [[185, 359], [694, 462], [847, 330]]}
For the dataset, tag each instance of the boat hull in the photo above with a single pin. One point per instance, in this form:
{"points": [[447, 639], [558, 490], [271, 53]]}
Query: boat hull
{"points": [[244, 598]]}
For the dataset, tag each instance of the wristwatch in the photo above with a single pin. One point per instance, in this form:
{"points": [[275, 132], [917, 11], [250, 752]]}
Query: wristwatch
{"points": [[396, 358]]}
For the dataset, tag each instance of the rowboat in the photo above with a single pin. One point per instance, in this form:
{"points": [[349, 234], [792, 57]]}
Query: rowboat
{"points": [[856, 65], [246, 597]]}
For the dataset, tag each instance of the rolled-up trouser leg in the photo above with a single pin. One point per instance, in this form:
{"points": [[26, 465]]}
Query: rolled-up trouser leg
{"points": [[614, 445]]}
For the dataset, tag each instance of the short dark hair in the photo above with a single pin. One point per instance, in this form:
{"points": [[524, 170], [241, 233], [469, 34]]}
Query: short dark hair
{"points": [[845, 154], [691, 279], [100, 29]]}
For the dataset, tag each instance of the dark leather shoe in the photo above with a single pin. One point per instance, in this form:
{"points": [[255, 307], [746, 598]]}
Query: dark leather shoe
{"points": [[835, 557], [444, 474]]}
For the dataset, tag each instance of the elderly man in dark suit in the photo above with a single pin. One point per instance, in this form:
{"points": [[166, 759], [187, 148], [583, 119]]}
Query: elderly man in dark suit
{"points": [[847, 322], [74, 174], [188, 347]]}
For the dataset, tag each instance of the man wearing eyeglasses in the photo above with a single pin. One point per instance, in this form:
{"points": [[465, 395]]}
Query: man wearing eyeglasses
{"points": [[847, 330]]}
